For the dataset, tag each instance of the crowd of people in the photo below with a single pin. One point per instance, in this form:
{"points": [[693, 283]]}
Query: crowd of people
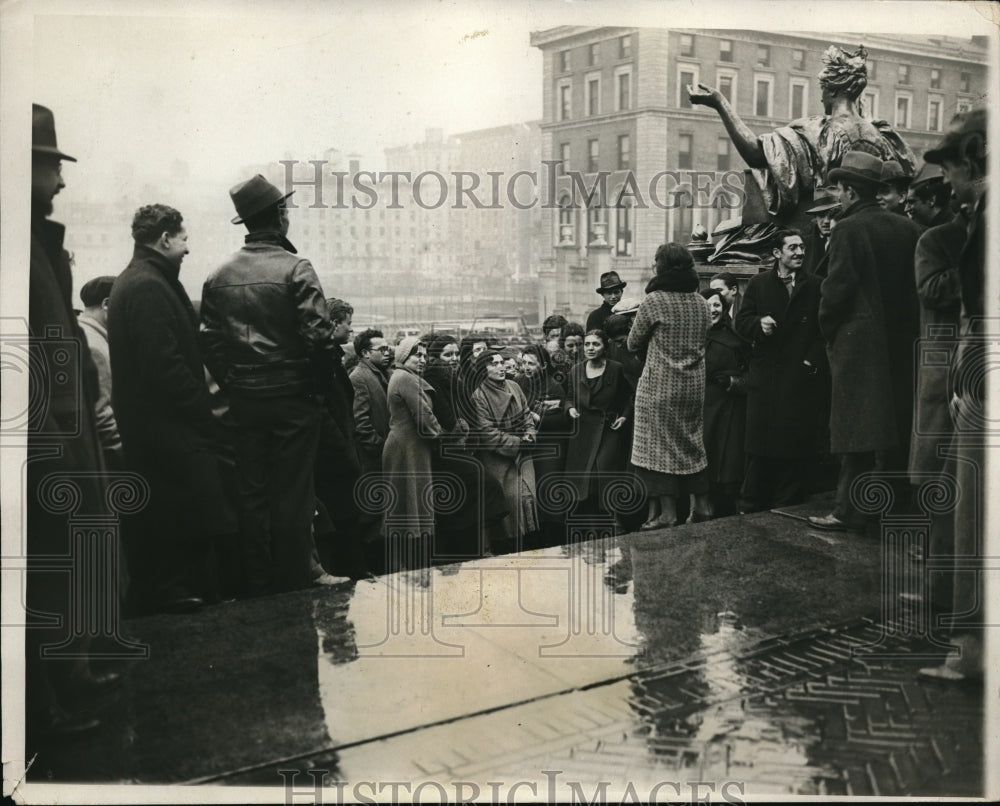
{"points": [[281, 450]]}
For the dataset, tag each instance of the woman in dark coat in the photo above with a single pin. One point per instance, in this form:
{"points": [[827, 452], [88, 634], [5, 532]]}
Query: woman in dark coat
{"points": [[668, 449], [599, 403], [469, 528], [406, 456], [726, 358]]}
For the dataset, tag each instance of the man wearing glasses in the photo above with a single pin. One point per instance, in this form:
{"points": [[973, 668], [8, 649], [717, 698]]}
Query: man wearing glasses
{"points": [[269, 343]]}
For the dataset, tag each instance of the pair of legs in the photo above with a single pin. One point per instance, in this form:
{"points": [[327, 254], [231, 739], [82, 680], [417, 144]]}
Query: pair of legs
{"points": [[662, 510]]}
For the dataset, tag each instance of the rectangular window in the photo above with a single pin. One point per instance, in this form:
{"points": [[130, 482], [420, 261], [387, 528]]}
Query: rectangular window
{"points": [[764, 55], [963, 106], [594, 54], [935, 107], [564, 61], [872, 69], [623, 89], [565, 97], [964, 80], [564, 164], [725, 80], [870, 105], [762, 100], [904, 74], [798, 59], [593, 95], [684, 146], [687, 45], [686, 74], [624, 152], [798, 91], [625, 47], [935, 79], [903, 104], [722, 153], [623, 231], [725, 50], [593, 155]]}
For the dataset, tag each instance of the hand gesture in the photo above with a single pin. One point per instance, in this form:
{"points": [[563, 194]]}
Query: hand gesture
{"points": [[768, 324], [704, 95], [617, 423], [574, 413]]}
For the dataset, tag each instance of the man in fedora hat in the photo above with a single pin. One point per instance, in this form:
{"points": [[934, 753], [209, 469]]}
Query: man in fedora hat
{"points": [[62, 439], [894, 184], [610, 289], [826, 206], [269, 344], [928, 199], [962, 157], [869, 317]]}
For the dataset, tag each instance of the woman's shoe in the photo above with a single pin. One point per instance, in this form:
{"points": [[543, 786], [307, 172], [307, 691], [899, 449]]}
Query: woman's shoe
{"points": [[698, 517]]}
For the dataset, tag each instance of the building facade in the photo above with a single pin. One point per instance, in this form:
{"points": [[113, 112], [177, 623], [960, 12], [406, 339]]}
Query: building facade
{"points": [[637, 164]]}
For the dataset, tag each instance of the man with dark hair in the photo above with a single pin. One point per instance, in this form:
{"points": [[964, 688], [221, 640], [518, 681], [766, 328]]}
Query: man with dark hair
{"points": [[729, 289], [93, 321], [552, 329], [269, 344], [610, 289], [824, 212], [164, 413], [62, 439], [780, 316], [869, 317], [341, 313]]}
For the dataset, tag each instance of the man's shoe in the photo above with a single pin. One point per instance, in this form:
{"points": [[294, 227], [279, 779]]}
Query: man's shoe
{"points": [[829, 523], [324, 580]]}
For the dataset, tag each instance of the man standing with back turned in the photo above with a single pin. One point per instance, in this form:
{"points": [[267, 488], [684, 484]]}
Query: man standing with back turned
{"points": [[269, 344]]}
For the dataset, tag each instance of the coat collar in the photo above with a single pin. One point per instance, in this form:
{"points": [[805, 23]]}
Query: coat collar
{"points": [[150, 255], [270, 237], [858, 207], [378, 372]]}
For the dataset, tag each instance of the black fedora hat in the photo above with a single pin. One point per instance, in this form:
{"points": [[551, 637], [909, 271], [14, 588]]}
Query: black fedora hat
{"points": [[822, 202], [858, 166], [610, 281], [966, 129], [43, 133], [254, 196]]}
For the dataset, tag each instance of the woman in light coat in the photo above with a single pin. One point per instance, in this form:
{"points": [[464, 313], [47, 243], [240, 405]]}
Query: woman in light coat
{"points": [[668, 449]]}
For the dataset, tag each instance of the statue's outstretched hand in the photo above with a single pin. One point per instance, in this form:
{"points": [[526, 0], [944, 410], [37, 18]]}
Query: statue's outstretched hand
{"points": [[704, 95]]}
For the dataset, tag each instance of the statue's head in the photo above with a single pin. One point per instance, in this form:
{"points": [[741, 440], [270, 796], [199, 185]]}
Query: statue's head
{"points": [[844, 73]]}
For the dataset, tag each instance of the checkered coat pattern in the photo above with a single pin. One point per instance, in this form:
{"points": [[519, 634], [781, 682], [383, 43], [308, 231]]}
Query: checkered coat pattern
{"points": [[672, 327]]}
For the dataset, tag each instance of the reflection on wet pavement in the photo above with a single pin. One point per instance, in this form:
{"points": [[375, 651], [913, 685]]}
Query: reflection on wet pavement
{"points": [[716, 652]]}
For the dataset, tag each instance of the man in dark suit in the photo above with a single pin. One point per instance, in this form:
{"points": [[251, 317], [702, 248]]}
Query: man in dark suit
{"points": [[869, 315], [610, 289], [164, 412], [779, 316]]}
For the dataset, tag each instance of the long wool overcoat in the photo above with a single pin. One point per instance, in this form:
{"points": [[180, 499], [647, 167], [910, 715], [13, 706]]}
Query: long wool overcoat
{"points": [[936, 266], [670, 326], [726, 356], [869, 315], [783, 393], [406, 456], [161, 399]]}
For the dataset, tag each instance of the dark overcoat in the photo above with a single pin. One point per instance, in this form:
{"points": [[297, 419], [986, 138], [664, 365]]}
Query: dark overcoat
{"points": [[869, 315], [783, 393], [726, 366], [594, 447], [161, 400], [371, 414], [337, 462], [939, 290]]}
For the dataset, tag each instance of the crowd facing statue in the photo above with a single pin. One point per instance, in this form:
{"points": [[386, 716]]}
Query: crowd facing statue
{"points": [[282, 450]]}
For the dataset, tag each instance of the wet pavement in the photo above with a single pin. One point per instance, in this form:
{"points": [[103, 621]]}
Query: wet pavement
{"points": [[742, 657]]}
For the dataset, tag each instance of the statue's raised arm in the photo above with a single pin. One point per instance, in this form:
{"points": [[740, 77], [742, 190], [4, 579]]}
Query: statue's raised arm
{"points": [[747, 143]]}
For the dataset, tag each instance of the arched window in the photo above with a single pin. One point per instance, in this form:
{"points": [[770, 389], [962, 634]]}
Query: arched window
{"points": [[566, 234], [597, 220]]}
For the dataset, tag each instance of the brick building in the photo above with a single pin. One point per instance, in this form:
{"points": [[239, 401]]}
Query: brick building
{"points": [[614, 101]]}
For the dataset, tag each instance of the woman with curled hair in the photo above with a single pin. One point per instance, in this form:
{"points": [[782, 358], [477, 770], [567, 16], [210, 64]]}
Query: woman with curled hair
{"points": [[407, 454], [503, 431], [668, 449]]}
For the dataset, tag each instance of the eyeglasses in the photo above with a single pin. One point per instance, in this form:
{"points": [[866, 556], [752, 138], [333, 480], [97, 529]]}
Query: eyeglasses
{"points": [[382, 349]]}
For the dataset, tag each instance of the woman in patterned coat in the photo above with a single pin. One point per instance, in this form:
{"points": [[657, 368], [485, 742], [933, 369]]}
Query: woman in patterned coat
{"points": [[668, 448]]}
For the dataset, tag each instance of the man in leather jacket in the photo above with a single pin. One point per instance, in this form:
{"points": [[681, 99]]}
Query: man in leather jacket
{"points": [[268, 341]]}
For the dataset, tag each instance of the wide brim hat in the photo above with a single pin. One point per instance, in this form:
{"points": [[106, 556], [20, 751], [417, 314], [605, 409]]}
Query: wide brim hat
{"points": [[610, 281], [963, 127], [823, 202], [929, 173], [43, 133], [254, 196], [858, 166]]}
